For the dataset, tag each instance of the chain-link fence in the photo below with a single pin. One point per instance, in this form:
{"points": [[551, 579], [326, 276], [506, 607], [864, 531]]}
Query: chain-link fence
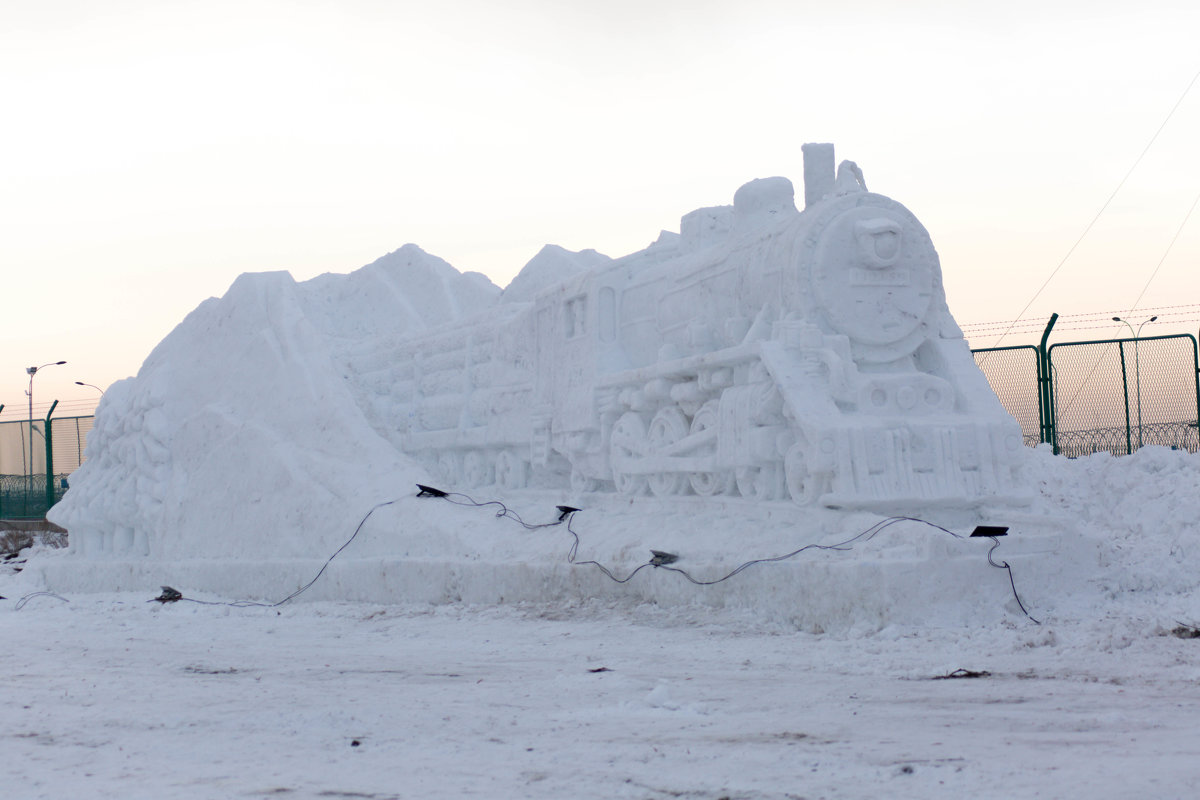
{"points": [[36, 460], [68, 441], [24, 496], [1013, 374], [1111, 395], [1117, 395], [14, 447]]}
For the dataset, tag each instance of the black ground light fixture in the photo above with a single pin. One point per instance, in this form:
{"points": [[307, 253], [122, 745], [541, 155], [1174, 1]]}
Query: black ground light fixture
{"points": [[659, 558]]}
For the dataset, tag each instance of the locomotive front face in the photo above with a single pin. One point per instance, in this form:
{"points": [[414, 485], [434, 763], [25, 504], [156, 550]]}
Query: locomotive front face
{"points": [[873, 274]]}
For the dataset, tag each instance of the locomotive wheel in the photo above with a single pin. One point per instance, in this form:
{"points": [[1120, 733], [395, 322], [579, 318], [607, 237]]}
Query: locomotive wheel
{"points": [[803, 486], [511, 471], [668, 427], [476, 470], [627, 444], [758, 483], [707, 484]]}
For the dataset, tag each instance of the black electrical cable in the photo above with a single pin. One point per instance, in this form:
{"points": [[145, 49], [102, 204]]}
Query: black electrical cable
{"points": [[293, 595], [504, 511], [865, 536], [567, 515], [24, 600], [1004, 566], [574, 551], [424, 491]]}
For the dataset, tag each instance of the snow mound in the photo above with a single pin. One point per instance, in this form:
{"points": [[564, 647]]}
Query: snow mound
{"points": [[405, 291], [1142, 508], [242, 435], [552, 265]]}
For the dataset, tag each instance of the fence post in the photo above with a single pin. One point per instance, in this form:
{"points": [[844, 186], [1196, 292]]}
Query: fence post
{"points": [[1195, 363], [1125, 391], [49, 457], [1046, 389]]}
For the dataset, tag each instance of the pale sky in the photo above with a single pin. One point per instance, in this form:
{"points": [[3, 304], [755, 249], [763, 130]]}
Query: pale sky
{"points": [[153, 151]]}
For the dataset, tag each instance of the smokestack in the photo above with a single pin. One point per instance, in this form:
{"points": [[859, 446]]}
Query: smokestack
{"points": [[818, 172]]}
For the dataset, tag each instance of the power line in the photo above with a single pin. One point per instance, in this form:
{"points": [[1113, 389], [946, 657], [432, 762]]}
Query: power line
{"points": [[1168, 250], [1157, 267], [1107, 315], [1104, 207], [1099, 325]]}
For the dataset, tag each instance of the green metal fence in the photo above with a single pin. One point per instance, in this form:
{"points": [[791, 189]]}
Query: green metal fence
{"points": [[1108, 395], [1118, 395], [29, 496], [34, 478], [1013, 374]]}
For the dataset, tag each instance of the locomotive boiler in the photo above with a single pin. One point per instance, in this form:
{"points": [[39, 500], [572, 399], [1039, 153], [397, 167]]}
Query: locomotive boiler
{"points": [[763, 351]]}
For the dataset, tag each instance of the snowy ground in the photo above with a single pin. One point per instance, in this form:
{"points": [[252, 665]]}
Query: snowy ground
{"points": [[113, 696], [821, 676]]}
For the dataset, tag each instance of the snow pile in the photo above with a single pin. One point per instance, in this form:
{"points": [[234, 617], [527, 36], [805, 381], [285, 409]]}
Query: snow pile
{"points": [[403, 292], [1142, 510], [241, 436], [552, 265]]}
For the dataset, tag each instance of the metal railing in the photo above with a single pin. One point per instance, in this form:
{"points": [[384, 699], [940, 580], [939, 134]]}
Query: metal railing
{"points": [[1013, 375], [36, 459], [1105, 395]]}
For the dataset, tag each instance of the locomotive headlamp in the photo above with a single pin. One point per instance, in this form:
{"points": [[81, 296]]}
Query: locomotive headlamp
{"points": [[879, 241]]}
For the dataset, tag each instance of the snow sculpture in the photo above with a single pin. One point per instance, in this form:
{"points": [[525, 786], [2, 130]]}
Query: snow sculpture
{"points": [[763, 352]]}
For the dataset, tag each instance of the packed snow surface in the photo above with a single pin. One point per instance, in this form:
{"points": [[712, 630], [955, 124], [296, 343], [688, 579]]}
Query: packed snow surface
{"points": [[116, 696], [112, 695]]}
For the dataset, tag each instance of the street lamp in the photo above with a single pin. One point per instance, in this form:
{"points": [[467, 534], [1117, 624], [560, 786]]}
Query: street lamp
{"points": [[31, 371], [94, 386], [1137, 366]]}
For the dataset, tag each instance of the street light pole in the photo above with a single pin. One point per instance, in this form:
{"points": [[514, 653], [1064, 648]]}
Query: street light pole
{"points": [[31, 371], [94, 386], [1137, 366]]}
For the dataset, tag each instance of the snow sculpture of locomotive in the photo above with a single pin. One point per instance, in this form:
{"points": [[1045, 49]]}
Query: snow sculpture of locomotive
{"points": [[762, 352]]}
